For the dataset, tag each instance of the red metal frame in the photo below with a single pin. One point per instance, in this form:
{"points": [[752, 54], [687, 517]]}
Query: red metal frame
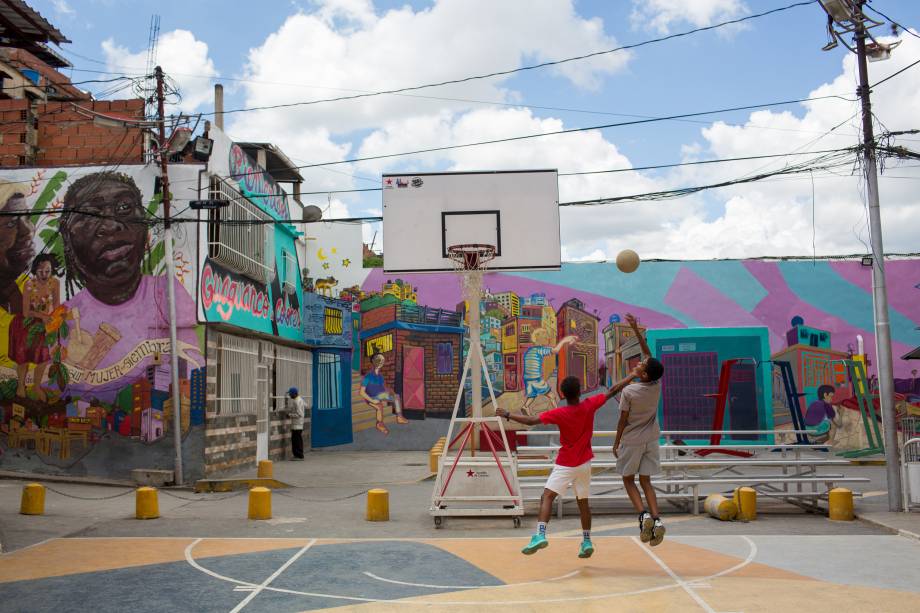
{"points": [[718, 418]]}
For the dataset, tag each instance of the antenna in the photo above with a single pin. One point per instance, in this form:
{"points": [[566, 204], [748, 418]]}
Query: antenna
{"points": [[153, 41], [373, 240]]}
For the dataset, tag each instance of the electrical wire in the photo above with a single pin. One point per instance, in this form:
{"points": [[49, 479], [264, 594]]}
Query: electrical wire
{"points": [[502, 73]]}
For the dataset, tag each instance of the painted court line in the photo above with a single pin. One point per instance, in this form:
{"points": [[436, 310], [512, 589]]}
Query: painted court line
{"points": [[683, 584], [271, 578], [472, 587], [619, 525], [412, 601]]}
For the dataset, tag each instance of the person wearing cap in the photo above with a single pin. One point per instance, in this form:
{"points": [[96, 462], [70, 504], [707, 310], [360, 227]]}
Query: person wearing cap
{"points": [[297, 412]]}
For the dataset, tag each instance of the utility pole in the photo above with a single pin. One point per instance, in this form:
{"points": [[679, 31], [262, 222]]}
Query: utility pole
{"points": [[879, 289], [170, 278]]}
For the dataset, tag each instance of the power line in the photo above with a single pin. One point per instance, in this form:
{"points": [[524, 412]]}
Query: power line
{"points": [[522, 68], [891, 76]]}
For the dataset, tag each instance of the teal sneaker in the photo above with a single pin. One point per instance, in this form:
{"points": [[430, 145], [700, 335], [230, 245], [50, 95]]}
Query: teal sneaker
{"points": [[587, 549], [536, 543]]}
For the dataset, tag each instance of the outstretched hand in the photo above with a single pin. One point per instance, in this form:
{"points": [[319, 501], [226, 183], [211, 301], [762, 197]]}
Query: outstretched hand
{"points": [[500, 412]]}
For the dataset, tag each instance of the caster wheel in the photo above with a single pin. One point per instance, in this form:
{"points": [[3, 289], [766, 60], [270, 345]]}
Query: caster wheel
{"points": [[517, 522], [437, 522]]}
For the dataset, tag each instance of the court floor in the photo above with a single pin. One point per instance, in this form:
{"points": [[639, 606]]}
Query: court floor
{"points": [[686, 573]]}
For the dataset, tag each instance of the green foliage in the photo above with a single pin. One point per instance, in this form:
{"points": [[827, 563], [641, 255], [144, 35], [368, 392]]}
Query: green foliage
{"points": [[52, 186], [8, 389], [154, 259], [373, 262]]}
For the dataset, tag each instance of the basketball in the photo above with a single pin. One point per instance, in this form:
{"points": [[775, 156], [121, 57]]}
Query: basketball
{"points": [[627, 260]]}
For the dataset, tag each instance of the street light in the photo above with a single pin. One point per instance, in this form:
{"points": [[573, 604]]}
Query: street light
{"points": [[846, 16]]}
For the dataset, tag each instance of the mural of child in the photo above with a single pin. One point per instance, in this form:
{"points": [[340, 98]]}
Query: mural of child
{"points": [[375, 392], [821, 415], [16, 251], [535, 374], [40, 297]]}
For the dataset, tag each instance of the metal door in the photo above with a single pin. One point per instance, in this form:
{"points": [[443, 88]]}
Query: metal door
{"points": [[331, 415], [262, 412], [414, 378]]}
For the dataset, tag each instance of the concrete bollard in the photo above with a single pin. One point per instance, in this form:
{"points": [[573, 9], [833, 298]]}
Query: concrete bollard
{"points": [[745, 498], [378, 505], [260, 503], [840, 504], [146, 503], [266, 469], [33, 499]]}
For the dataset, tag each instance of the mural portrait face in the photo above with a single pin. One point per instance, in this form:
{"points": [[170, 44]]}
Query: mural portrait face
{"points": [[16, 250], [106, 247]]}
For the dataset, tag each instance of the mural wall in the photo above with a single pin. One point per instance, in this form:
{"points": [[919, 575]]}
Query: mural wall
{"points": [[411, 337], [84, 333]]}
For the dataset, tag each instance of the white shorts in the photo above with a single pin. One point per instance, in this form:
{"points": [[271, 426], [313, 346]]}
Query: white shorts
{"points": [[579, 477]]}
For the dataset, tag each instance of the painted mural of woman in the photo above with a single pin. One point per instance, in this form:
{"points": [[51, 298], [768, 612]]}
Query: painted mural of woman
{"points": [[41, 295], [16, 251]]}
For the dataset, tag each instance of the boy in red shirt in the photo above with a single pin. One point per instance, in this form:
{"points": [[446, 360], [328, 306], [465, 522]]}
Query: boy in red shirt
{"points": [[575, 420]]}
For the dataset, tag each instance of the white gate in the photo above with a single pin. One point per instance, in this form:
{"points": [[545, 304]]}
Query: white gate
{"points": [[262, 411]]}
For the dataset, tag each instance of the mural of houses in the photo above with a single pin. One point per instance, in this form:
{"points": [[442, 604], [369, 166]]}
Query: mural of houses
{"points": [[617, 336], [422, 349], [580, 359]]}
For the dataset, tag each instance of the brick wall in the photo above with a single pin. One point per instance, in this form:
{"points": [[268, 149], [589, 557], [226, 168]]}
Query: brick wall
{"points": [[440, 389], [56, 134], [378, 317]]}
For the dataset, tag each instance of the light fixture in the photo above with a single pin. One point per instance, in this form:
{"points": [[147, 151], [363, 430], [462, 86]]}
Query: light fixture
{"points": [[866, 261], [879, 52], [178, 140], [839, 10], [201, 149]]}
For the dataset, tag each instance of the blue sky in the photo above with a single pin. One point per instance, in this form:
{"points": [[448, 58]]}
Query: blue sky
{"points": [[317, 49]]}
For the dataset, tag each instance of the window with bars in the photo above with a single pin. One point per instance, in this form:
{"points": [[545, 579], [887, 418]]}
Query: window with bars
{"points": [[236, 380], [293, 368], [289, 271], [332, 321], [328, 381], [235, 238]]}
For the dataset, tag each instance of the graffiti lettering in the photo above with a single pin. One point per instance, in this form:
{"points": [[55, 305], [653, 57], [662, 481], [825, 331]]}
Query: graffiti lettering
{"points": [[286, 316], [255, 184], [134, 357], [227, 294]]}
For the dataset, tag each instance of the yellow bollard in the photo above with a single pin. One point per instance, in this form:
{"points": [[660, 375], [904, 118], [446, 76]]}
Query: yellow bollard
{"points": [[266, 469], [840, 504], [260, 503], [378, 505], [720, 507], [33, 499], [146, 504], [745, 498]]}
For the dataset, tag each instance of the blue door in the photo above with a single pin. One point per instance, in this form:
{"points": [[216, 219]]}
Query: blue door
{"points": [[331, 414]]}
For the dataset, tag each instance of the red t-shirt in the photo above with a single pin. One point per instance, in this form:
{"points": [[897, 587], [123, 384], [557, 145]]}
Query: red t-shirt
{"points": [[576, 427]]}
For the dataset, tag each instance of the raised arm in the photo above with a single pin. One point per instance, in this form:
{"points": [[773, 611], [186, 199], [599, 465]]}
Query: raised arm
{"points": [[634, 324], [617, 387], [527, 420]]}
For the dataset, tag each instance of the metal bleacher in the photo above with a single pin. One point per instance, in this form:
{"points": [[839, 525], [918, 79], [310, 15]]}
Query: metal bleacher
{"points": [[791, 472]]}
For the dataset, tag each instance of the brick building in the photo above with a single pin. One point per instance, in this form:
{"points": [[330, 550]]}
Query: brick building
{"points": [[580, 358], [422, 348]]}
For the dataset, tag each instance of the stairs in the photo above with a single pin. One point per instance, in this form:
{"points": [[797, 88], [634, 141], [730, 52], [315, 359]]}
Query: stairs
{"points": [[363, 416]]}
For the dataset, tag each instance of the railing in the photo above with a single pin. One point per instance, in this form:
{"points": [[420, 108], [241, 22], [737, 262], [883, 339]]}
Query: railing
{"points": [[425, 315]]}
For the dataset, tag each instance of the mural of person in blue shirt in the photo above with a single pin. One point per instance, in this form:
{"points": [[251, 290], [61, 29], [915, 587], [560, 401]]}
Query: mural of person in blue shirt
{"points": [[377, 394], [536, 370], [821, 415]]}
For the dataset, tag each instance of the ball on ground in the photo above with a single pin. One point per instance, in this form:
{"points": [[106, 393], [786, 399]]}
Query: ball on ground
{"points": [[627, 260]]}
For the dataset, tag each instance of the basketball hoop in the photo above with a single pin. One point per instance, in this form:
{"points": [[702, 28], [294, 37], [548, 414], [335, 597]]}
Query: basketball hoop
{"points": [[471, 257]]}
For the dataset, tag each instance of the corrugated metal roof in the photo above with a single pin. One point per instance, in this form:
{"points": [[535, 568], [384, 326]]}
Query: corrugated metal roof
{"points": [[20, 22]]}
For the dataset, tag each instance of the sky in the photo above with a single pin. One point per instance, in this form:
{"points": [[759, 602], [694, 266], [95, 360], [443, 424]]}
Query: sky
{"points": [[283, 51]]}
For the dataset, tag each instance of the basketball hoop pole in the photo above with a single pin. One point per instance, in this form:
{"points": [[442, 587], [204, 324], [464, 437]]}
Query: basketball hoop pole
{"points": [[474, 292]]}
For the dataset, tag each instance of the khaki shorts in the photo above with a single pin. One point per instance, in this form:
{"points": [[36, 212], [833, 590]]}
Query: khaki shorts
{"points": [[641, 459], [579, 477]]}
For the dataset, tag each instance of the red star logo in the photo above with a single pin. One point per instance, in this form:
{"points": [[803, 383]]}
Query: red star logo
{"points": [[470, 473], [388, 182]]}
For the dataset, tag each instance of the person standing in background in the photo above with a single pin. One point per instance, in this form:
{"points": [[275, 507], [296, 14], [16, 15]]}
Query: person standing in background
{"points": [[297, 411]]}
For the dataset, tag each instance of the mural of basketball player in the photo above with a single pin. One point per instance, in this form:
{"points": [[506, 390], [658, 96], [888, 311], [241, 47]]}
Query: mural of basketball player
{"points": [[16, 252], [104, 228], [41, 296], [539, 364], [375, 392]]}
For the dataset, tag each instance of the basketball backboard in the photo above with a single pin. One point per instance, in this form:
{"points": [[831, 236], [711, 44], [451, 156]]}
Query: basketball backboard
{"points": [[516, 211]]}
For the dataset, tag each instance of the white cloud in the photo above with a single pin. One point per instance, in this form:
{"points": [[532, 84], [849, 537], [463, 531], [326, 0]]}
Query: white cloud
{"points": [[183, 58], [663, 15], [63, 9]]}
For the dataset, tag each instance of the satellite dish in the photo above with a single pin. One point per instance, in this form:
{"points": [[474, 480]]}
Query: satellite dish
{"points": [[312, 213]]}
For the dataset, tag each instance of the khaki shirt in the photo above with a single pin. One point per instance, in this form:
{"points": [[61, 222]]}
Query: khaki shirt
{"points": [[640, 402], [297, 410]]}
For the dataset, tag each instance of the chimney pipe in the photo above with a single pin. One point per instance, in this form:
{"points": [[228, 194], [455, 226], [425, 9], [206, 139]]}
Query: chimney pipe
{"points": [[219, 105]]}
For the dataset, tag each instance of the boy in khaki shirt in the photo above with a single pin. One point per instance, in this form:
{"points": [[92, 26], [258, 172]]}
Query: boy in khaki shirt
{"points": [[636, 445]]}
